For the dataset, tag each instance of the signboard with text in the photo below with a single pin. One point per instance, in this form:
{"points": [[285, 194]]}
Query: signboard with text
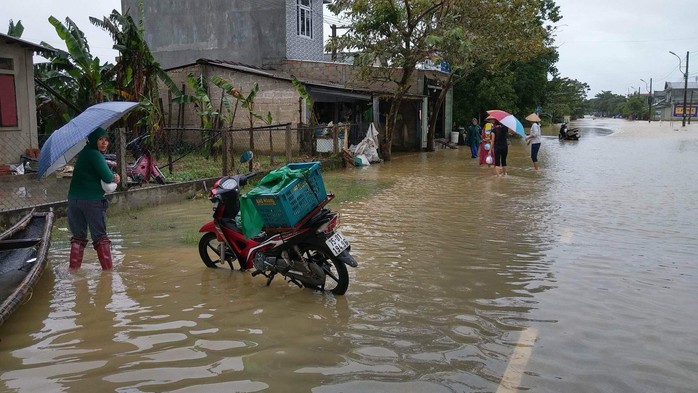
{"points": [[691, 110]]}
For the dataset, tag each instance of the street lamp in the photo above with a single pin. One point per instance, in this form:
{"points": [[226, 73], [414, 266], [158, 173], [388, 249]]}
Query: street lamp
{"points": [[649, 101], [685, 85]]}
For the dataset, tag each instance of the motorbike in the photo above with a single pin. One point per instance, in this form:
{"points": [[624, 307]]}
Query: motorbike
{"points": [[144, 168], [571, 134], [311, 254]]}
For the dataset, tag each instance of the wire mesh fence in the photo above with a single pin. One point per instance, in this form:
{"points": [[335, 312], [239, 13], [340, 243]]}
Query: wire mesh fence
{"points": [[178, 154]]}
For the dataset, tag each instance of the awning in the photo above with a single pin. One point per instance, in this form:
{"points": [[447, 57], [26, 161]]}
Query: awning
{"points": [[324, 94]]}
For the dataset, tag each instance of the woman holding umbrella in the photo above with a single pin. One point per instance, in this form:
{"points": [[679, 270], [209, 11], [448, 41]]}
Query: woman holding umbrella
{"points": [[500, 146], [505, 121], [87, 207]]}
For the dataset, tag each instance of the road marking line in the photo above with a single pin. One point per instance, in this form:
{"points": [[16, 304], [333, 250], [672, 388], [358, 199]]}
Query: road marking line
{"points": [[517, 363]]}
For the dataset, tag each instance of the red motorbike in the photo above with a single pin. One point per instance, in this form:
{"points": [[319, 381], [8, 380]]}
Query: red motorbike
{"points": [[145, 169], [311, 254]]}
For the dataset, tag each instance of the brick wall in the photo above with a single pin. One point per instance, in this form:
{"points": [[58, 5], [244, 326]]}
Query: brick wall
{"points": [[347, 75], [275, 95]]}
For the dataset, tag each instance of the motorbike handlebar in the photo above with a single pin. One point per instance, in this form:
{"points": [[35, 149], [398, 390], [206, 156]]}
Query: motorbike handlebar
{"points": [[245, 177]]}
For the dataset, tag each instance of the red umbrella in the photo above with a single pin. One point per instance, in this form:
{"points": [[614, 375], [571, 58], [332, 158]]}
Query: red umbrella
{"points": [[508, 120]]}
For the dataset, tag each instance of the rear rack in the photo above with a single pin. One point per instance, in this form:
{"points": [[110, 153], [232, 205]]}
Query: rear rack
{"points": [[303, 220]]}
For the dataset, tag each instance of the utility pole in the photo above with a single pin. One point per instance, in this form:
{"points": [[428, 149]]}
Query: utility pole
{"points": [[685, 85], [649, 118], [689, 117], [333, 39], [334, 48], [685, 90], [649, 100]]}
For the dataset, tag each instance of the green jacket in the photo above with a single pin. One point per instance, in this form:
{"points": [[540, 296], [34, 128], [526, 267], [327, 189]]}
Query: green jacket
{"points": [[90, 168], [473, 136]]}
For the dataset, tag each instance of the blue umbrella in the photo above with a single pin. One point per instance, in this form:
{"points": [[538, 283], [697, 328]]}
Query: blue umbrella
{"points": [[67, 141]]}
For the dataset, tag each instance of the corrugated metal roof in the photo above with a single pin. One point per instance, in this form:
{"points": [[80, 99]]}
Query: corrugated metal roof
{"points": [[275, 74], [680, 85], [8, 39]]}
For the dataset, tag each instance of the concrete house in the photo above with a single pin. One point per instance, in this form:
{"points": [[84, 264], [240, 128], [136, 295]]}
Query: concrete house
{"points": [[257, 33], [280, 39], [18, 126]]}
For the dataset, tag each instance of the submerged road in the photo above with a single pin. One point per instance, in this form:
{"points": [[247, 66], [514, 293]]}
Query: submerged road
{"points": [[580, 277]]}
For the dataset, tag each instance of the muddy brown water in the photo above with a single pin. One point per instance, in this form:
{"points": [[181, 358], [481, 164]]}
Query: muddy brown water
{"points": [[578, 278]]}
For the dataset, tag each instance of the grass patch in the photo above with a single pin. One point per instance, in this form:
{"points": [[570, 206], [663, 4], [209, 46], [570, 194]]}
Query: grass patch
{"points": [[195, 166], [347, 190]]}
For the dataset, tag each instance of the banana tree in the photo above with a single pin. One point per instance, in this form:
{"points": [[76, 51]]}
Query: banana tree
{"points": [[309, 103], [203, 106], [15, 29], [247, 103], [89, 78]]}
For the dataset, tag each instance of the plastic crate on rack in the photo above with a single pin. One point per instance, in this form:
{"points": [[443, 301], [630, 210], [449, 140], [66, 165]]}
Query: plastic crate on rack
{"points": [[290, 204]]}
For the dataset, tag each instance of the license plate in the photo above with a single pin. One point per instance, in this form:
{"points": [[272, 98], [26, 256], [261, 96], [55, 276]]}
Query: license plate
{"points": [[337, 243]]}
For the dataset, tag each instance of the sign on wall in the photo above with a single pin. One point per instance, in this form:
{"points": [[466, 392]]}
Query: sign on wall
{"points": [[691, 110]]}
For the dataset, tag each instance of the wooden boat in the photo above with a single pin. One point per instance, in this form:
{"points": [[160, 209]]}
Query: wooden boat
{"points": [[23, 257]]}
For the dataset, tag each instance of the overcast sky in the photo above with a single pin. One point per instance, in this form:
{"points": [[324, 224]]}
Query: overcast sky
{"points": [[608, 44]]}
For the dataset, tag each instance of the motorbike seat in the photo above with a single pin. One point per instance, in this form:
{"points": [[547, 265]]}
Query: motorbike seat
{"points": [[229, 222]]}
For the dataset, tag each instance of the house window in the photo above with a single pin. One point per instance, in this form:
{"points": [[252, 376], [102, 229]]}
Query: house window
{"points": [[304, 16], [8, 101]]}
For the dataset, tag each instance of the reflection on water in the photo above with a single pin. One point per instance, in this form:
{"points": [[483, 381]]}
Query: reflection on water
{"points": [[576, 278]]}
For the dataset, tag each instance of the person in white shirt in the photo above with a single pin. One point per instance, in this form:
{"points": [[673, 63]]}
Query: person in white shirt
{"points": [[534, 138]]}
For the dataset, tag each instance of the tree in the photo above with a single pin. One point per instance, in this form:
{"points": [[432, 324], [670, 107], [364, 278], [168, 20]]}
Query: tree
{"points": [[494, 35], [393, 35], [247, 103], [136, 72], [463, 33], [566, 97], [635, 107], [15, 30], [87, 78], [606, 103]]}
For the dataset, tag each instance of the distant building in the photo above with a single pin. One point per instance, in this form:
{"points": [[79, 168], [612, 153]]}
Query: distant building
{"points": [[18, 126], [669, 103]]}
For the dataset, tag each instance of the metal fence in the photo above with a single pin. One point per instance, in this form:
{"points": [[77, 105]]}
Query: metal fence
{"points": [[181, 155]]}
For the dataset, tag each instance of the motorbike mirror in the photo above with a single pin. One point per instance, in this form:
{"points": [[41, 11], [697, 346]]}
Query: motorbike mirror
{"points": [[246, 157]]}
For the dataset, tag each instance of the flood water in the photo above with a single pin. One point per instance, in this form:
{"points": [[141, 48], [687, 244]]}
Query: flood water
{"points": [[580, 277]]}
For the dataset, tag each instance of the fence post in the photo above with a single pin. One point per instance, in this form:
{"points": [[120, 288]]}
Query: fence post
{"points": [[335, 139], [271, 147], [121, 159], [227, 158], [288, 143], [168, 137]]}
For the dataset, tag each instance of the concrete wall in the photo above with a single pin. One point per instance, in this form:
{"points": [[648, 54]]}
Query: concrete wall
{"points": [[249, 32], [180, 32], [347, 75], [15, 140], [120, 202]]}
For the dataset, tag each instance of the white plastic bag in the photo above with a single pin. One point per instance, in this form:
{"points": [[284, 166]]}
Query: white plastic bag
{"points": [[108, 187], [361, 160]]}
